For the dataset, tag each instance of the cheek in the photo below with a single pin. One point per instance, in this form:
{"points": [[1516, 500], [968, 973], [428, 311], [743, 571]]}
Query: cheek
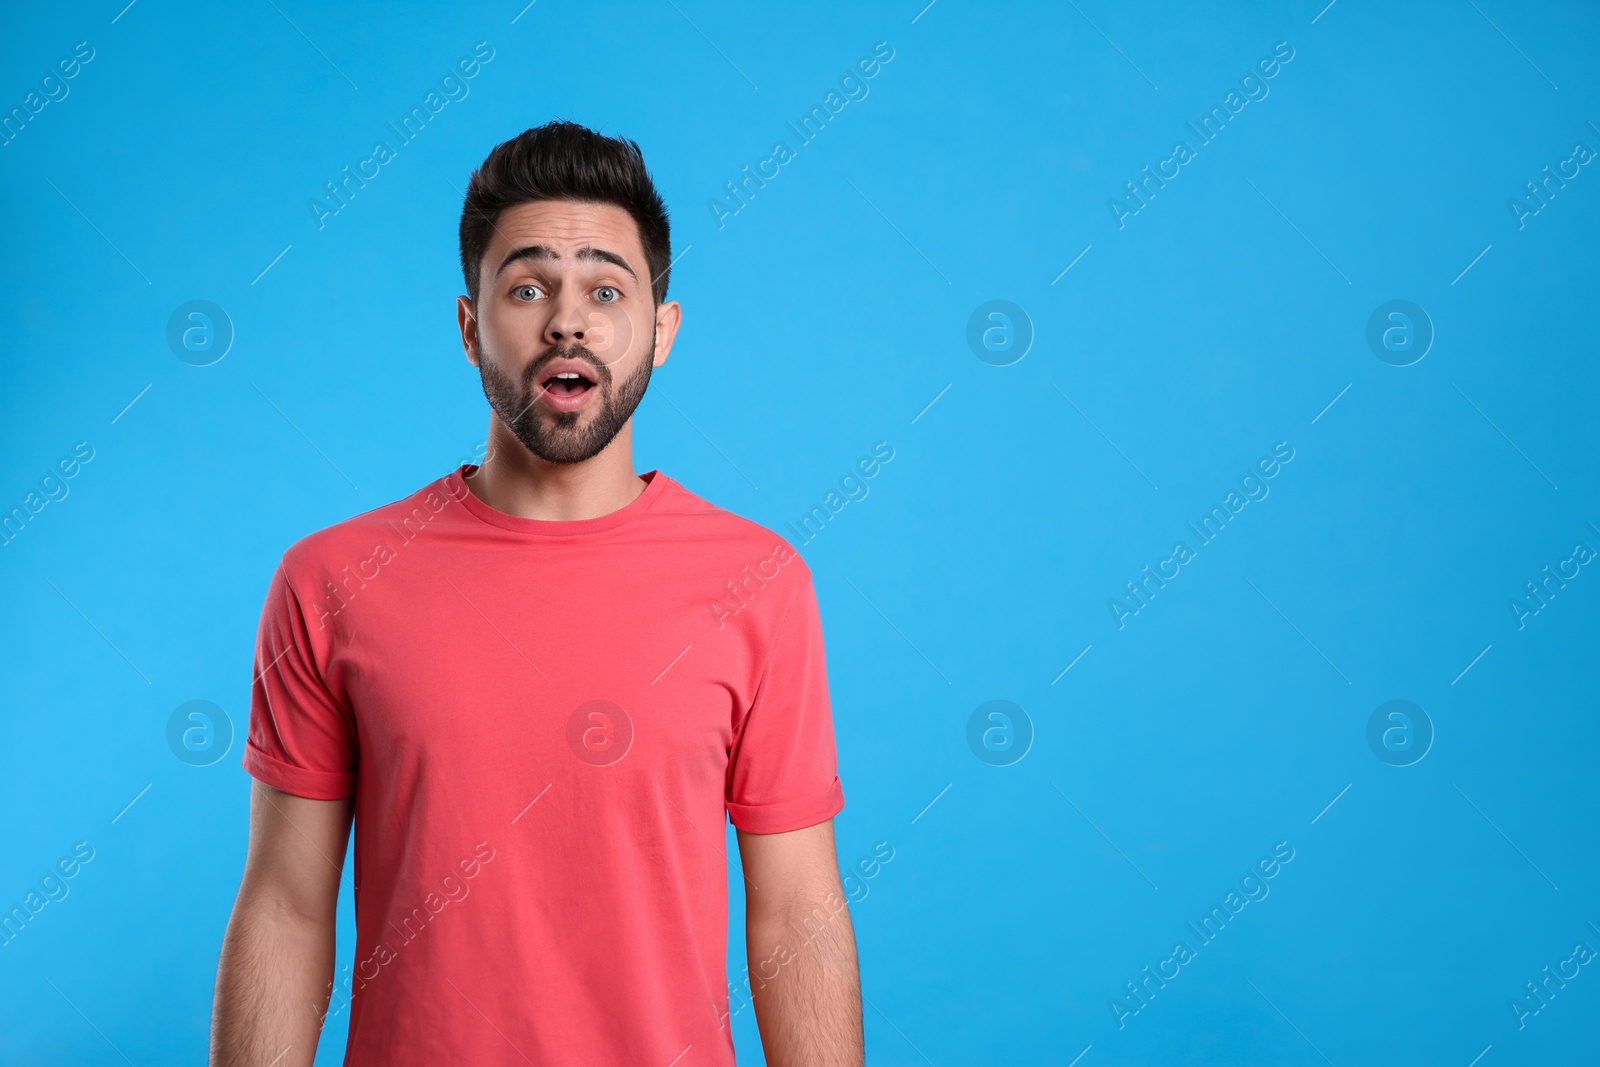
{"points": [[616, 337], [509, 339]]}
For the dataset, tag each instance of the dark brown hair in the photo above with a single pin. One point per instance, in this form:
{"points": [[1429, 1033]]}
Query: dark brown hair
{"points": [[565, 161]]}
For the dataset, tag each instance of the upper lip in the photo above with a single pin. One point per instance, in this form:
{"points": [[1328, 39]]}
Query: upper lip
{"points": [[570, 366]]}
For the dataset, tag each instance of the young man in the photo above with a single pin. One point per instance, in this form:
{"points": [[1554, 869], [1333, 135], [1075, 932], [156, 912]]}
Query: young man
{"points": [[536, 685]]}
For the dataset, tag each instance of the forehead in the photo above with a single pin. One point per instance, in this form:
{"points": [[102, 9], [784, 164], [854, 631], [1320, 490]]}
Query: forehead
{"points": [[566, 225]]}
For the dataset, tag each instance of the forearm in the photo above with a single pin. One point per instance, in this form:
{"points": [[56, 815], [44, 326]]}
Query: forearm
{"points": [[273, 983], [806, 985]]}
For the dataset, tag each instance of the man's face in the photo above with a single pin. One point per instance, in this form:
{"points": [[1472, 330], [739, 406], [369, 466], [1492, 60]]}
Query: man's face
{"points": [[565, 332]]}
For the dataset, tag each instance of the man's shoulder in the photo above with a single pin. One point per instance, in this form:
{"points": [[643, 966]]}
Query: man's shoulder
{"points": [[352, 539], [727, 532]]}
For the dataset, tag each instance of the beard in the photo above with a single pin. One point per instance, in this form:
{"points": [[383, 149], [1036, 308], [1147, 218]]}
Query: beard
{"points": [[564, 436]]}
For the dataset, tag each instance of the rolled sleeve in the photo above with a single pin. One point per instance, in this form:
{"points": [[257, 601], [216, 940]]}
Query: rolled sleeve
{"points": [[301, 739], [783, 774]]}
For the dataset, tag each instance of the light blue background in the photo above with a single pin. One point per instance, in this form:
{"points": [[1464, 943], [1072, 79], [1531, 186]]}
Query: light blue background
{"points": [[824, 317]]}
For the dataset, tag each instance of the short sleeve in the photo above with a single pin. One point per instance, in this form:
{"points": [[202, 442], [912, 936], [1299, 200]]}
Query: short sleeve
{"points": [[301, 739], [783, 772]]}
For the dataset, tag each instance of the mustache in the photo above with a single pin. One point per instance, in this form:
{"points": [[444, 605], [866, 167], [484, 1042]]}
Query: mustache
{"points": [[534, 384], [602, 373]]}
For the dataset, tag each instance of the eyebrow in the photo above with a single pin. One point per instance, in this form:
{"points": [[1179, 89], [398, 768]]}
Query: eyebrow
{"points": [[586, 254]]}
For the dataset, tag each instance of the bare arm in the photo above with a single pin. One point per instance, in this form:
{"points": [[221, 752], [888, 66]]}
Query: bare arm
{"points": [[276, 970], [802, 949]]}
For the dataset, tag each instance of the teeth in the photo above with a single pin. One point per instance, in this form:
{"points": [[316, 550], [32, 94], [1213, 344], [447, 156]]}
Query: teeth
{"points": [[568, 374]]}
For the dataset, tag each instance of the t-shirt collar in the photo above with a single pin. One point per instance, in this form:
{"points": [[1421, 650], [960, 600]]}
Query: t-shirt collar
{"points": [[455, 488]]}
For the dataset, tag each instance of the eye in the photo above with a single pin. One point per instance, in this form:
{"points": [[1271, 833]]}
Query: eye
{"points": [[608, 294], [525, 292]]}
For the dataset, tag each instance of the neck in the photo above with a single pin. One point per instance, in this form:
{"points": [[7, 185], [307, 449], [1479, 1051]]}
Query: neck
{"points": [[513, 480]]}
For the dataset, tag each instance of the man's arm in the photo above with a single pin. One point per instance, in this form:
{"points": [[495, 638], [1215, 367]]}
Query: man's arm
{"points": [[802, 949], [276, 970]]}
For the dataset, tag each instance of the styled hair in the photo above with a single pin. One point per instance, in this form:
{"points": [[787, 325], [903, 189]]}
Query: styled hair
{"points": [[565, 161]]}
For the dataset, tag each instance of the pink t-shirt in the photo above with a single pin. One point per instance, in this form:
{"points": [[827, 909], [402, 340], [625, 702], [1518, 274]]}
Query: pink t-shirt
{"points": [[542, 724]]}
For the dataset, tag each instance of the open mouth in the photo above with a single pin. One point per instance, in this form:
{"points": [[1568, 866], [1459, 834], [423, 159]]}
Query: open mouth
{"points": [[567, 383]]}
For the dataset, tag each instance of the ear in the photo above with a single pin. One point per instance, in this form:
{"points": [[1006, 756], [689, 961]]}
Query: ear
{"points": [[467, 319], [668, 317]]}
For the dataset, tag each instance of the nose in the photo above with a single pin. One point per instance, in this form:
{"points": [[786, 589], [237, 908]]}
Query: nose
{"points": [[566, 322]]}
